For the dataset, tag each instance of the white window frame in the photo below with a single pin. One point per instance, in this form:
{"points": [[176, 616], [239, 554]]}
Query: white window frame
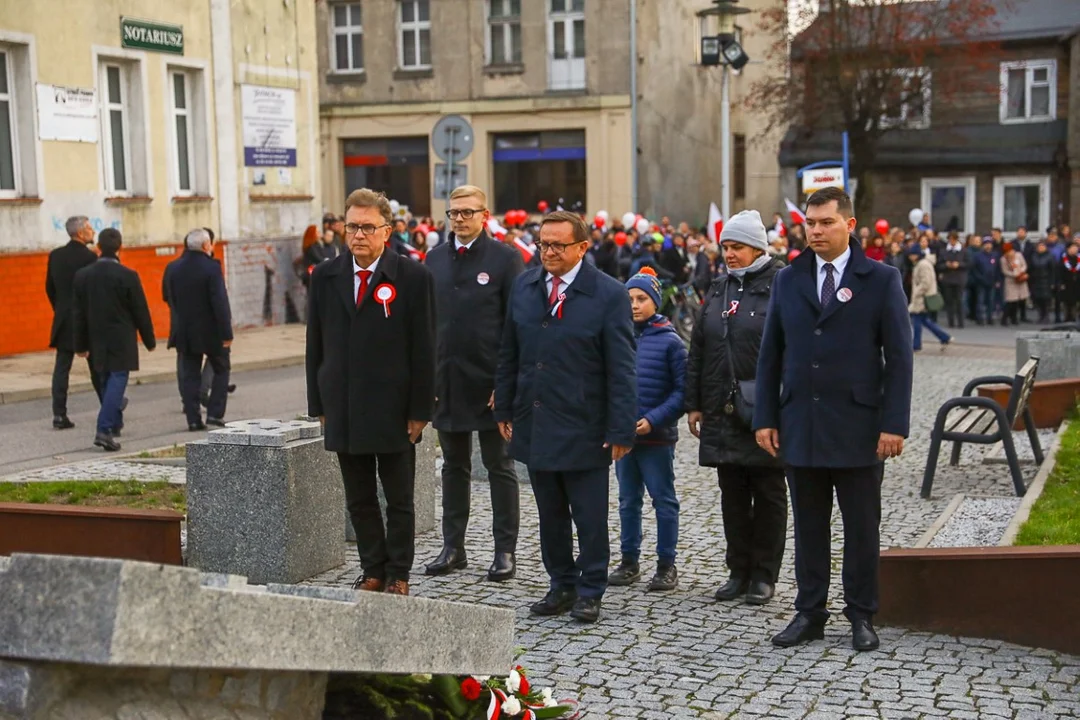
{"points": [[905, 121], [574, 66], [348, 30], [200, 157], [1000, 183], [107, 108], [503, 23], [1029, 66], [414, 27], [10, 97], [966, 182], [188, 112], [141, 153], [21, 51]]}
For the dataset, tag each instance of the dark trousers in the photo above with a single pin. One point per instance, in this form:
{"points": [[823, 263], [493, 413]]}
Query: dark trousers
{"points": [[205, 382], [954, 304], [972, 301], [456, 487], [565, 500], [1042, 306], [753, 501], [190, 377], [858, 492], [61, 377], [111, 414], [387, 553]]}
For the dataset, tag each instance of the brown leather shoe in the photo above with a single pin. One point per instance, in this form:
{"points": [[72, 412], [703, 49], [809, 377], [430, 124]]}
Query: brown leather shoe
{"points": [[369, 584], [398, 587]]}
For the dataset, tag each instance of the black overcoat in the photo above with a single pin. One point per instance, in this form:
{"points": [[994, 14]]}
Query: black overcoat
{"points": [[64, 262], [472, 293], [371, 370], [108, 309], [194, 288]]}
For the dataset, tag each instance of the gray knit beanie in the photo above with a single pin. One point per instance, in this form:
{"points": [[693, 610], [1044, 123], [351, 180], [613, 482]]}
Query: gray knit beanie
{"points": [[746, 228]]}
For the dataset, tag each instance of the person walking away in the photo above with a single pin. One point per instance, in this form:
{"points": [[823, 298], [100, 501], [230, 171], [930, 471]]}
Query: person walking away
{"points": [[1069, 286], [984, 274], [202, 328], [108, 312], [952, 266], [566, 400], [834, 401], [661, 374], [923, 285], [63, 263], [474, 276], [1014, 269], [724, 351], [370, 365], [1043, 280]]}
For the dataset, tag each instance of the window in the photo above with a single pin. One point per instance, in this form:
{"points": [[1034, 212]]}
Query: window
{"points": [[19, 142], [398, 165], [530, 167], [115, 119], [566, 44], [414, 50], [9, 149], [950, 202], [906, 99], [183, 126], [504, 32], [348, 38], [1022, 200], [1028, 91], [739, 162]]}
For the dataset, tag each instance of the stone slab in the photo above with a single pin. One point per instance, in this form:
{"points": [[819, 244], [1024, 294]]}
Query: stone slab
{"points": [[123, 613], [1058, 353]]}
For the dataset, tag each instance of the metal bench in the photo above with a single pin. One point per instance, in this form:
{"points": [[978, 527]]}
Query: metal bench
{"points": [[980, 420]]}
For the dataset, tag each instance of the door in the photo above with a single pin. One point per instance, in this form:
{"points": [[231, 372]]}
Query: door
{"points": [[566, 44]]}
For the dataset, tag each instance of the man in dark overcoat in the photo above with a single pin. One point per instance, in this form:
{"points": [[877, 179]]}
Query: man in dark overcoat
{"points": [[64, 262], [474, 276], [109, 309], [371, 380], [833, 400], [566, 400], [201, 327]]}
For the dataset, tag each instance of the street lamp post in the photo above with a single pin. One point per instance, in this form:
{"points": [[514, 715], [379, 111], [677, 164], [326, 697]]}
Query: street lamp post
{"points": [[720, 47]]}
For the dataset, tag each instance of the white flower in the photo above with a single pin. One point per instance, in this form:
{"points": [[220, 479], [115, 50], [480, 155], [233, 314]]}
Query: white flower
{"points": [[511, 706], [549, 701], [481, 678], [513, 682]]}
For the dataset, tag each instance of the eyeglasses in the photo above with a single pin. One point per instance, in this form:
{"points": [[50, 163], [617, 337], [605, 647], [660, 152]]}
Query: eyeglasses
{"points": [[557, 248], [464, 214], [353, 228]]}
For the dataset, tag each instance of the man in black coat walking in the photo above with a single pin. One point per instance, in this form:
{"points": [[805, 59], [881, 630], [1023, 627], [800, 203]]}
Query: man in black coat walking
{"points": [[474, 276], [201, 327], [64, 262], [109, 308], [371, 381]]}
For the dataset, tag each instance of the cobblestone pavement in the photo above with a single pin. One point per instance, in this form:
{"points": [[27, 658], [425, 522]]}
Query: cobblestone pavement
{"points": [[683, 655], [103, 470]]}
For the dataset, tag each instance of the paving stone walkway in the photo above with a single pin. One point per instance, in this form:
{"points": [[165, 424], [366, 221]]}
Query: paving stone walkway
{"points": [[103, 470], [683, 655]]}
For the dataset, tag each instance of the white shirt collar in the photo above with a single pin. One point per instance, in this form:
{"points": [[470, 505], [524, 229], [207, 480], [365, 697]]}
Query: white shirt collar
{"points": [[838, 264], [373, 267], [569, 277], [458, 244]]}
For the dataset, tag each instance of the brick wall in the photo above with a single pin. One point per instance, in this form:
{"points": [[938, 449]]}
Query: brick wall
{"points": [[263, 286]]}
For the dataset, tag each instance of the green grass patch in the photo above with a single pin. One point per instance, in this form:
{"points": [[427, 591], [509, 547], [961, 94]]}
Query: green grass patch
{"points": [[176, 451], [1055, 517], [98, 493]]}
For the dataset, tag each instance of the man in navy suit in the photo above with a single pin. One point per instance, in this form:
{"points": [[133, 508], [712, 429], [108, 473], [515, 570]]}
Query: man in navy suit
{"points": [[833, 400], [566, 401]]}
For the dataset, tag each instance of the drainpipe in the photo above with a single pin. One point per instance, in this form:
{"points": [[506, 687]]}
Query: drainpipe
{"points": [[633, 109]]}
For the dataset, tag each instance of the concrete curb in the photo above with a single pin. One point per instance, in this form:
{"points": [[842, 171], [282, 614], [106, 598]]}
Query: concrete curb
{"points": [[8, 398], [1034, 490]]}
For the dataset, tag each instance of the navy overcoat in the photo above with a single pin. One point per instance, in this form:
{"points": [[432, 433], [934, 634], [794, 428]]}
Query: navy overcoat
{"points": [[832, 381]]}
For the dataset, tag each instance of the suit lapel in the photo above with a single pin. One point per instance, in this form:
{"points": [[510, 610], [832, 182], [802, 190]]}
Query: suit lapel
{"points": [[806, 280], [344, 282]]}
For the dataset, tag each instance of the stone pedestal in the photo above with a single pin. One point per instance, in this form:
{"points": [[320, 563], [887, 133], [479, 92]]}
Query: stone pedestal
{"points": [[1058, 353], [479, 472], [264, 502], [423, 493]]}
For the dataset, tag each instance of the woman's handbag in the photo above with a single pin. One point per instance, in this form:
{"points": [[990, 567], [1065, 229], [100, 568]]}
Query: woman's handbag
{"points": [[934, 303], [740, 401]]}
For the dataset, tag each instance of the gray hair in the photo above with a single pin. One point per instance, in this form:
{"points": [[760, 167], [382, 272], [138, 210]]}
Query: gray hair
{"points": [[74, 224], [196, 239]]}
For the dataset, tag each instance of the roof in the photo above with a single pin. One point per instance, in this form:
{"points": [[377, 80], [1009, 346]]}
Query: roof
{"points": [[953, 145]]}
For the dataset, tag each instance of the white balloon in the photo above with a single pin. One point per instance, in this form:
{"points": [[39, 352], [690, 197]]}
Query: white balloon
{"points": [[916, 216], [642, 226], [628, 220], [432, 238], [602, 214], [394, 206]]}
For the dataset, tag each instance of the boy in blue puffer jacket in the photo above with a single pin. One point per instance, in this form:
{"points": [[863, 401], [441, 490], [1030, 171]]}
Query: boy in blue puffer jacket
{"points": [[661, 372]]}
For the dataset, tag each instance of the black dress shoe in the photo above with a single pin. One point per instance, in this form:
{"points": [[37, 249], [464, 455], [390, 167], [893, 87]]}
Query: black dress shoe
{"points": [[106, 442], [196, 426], [61, 422], [449, 560], [733, 588], [503, 567], [586, 610], [759, 592], [801, 630], [556, 602], [863, 637], [628, 572], [666, 578], [216, 422], [231, 389]]}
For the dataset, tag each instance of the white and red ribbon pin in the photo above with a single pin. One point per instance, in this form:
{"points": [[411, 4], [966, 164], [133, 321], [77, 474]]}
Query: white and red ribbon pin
{"points": [[556, 311], [385, 294]]}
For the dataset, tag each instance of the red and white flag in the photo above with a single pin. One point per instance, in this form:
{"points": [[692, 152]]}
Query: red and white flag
{"points": [[716, 223], [797, 216]]}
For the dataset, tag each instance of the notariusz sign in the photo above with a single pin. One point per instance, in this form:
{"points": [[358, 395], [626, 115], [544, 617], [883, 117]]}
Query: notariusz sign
{"points": [[145, 35]]}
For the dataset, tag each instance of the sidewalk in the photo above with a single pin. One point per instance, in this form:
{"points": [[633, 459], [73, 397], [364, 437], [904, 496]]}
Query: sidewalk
{"points": [[29, 376]]}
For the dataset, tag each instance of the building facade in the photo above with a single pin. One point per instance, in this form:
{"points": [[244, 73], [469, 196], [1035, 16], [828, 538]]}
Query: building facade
{"points": [[156, 118]]}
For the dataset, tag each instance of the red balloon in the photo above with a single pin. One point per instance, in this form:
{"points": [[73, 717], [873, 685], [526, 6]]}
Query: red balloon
{"points": [[522, 217], [599, 222], [542, 206], [620, 238], [882, 226]]}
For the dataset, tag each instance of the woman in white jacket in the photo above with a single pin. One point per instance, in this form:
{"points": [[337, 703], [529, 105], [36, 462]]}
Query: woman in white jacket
{"points": [[923, 285]]}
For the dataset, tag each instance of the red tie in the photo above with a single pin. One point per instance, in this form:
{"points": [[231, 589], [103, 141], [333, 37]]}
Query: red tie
{"points": [[462, 250], [555, 282], [364, 275]]}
